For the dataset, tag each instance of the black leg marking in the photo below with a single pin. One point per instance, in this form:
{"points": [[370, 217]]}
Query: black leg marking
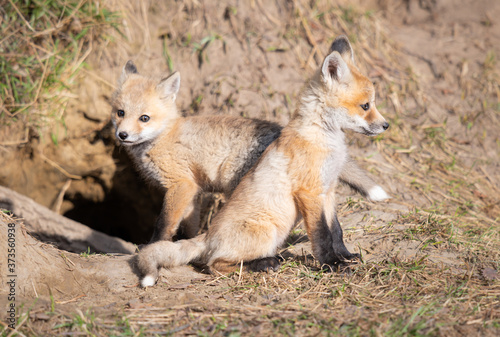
{"points": [[330, 248], [338, 241]]}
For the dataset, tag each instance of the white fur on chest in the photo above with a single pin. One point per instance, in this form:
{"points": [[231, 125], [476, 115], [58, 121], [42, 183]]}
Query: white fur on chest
{"points": [[334, 162]]}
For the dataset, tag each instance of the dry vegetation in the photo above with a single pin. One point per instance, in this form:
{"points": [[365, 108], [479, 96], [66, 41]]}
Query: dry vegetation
{"points": [[44, 46], [431, 256]]}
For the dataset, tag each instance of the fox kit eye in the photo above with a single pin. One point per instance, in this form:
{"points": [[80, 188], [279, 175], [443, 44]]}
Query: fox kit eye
{"points": [[120, 113], [365, 106], [144, 118]]}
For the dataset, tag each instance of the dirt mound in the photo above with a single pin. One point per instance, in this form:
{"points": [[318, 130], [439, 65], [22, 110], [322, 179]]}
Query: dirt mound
{"points": [[42, 270]]}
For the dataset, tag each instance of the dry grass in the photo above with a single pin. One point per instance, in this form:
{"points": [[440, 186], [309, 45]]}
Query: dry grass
{"points": [[391, 297], [42, 50]]}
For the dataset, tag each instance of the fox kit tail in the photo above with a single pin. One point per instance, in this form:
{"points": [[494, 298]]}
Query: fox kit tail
{"points": [[168, 254], [357, 179]]}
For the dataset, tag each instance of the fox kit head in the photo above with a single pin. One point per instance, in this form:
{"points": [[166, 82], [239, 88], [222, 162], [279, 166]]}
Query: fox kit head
{"points": [[347, 95], [143, 107]]}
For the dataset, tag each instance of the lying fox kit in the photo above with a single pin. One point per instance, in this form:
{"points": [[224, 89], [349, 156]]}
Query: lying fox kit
{"points": [[295, 177]]}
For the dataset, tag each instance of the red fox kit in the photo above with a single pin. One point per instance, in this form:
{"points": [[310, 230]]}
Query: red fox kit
{"points": [[188, 155], [295, 176]]}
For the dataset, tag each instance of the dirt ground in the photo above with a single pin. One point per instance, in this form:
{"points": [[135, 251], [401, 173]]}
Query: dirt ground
{"points": [[430, 254]]}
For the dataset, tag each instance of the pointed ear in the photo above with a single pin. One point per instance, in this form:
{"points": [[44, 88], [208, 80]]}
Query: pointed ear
{"points": [[169, 86], [128, 69], [343, 47], [334, 68]]}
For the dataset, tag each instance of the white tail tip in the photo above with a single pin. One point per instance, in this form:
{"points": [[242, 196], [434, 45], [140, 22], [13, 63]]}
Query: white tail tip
{"points": [[377, 193], [148, 281]]}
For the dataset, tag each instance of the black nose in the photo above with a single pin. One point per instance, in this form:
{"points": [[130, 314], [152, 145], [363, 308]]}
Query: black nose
{"points": [[385, 125], [123, 135]]}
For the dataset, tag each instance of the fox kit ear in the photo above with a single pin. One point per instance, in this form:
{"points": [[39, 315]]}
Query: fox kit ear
{"points": [[343, 47], [334, 68], [169, 86], [128, 69]]}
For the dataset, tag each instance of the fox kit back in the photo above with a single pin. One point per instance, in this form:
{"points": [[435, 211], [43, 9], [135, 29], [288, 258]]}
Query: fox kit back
{"points": [[296, 176]]}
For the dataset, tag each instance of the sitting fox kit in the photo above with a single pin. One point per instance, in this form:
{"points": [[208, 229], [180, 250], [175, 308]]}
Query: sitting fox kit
{"points": [[185, 156], [295, 176]]}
